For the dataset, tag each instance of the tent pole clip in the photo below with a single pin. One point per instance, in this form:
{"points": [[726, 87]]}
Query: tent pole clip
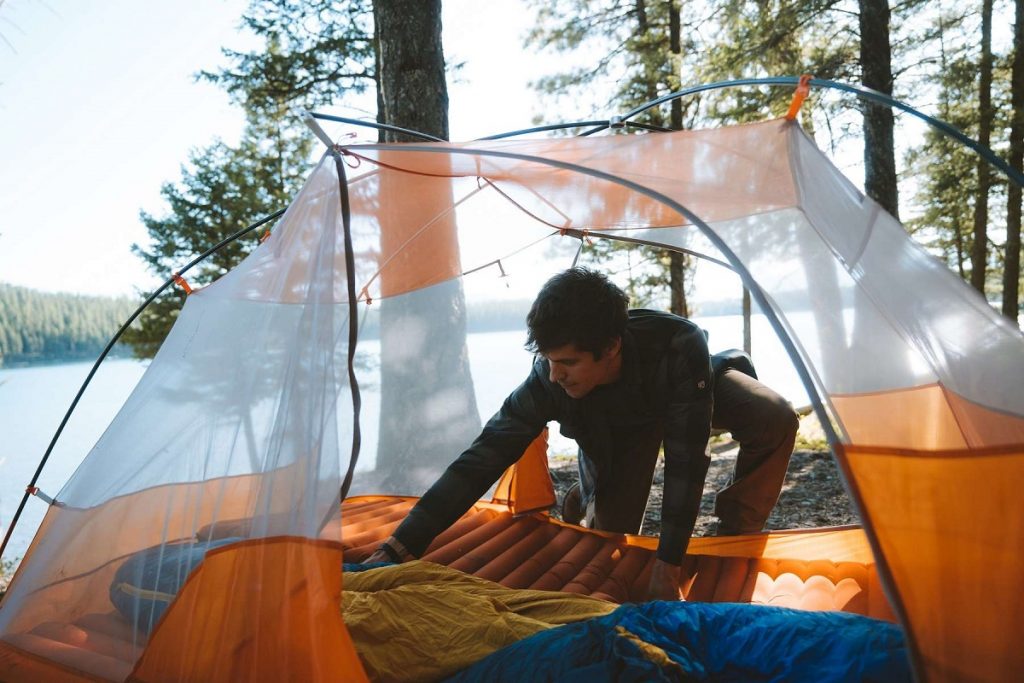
{"points": [[180, 281], [803, 88], [616, 122], [38, 493]]}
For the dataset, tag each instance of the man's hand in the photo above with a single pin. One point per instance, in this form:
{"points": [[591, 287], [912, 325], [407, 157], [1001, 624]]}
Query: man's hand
{"points": [[398, 554], [664, 583]]}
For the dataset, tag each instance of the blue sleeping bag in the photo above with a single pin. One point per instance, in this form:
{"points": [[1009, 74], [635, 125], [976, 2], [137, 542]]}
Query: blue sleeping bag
{"points": [[683, 641], [148, 581]]}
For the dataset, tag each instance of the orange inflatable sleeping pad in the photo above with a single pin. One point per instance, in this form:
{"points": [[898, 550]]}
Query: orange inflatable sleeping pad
{"points": [[536, 552]]}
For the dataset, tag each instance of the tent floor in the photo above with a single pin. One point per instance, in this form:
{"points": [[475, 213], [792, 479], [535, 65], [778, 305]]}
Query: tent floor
{"points": [[526, 551]]}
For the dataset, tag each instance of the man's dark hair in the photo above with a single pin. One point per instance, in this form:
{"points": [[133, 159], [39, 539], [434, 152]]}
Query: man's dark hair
{"points": [[580, 307]]}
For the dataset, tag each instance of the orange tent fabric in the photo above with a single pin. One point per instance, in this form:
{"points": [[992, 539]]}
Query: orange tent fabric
{"points": [[916, 379]]}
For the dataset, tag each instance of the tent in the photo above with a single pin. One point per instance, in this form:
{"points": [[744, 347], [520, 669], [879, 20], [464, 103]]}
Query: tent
{"points": [[348, 325]]}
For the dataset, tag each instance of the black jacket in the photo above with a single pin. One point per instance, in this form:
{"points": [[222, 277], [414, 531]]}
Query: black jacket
{"points": [[666, 380]]}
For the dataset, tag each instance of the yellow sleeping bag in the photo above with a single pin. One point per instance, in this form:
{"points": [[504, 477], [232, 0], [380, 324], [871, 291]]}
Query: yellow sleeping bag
{"points": [[420, 621]]}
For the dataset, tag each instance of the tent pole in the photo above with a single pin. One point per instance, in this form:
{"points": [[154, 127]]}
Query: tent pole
{"points": [[789, 81], [376, 126], [580, 234], [858, 90]]}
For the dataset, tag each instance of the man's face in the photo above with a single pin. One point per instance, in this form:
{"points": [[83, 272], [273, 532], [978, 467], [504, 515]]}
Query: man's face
{"points": [[578, 372]]}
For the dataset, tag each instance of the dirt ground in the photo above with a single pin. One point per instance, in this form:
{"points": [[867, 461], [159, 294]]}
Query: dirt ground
{"points": [[813, 494]]}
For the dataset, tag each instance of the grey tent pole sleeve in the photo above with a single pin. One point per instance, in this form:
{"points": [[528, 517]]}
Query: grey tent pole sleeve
{"points": [[353, 321], [353, 303], [318, 131]]}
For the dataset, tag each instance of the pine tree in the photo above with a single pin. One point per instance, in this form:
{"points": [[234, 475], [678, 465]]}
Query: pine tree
{"points": [[876, 73], [43, 327], [315, 52], [944, 166], [957, 188], [222, 190]]}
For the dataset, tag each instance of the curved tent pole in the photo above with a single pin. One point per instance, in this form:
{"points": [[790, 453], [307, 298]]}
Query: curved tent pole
{"points": [[577, 124], [103, 354], [602, 124], [646, 126], [580, 234], [541, 129], [863, 93], [860, 91], [792, 81], [762, 300], [622, 123], [376, 126]]}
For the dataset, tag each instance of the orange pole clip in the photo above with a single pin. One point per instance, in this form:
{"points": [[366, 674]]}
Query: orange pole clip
{"points": [[803, 88], [265, 236], [180, 281]]}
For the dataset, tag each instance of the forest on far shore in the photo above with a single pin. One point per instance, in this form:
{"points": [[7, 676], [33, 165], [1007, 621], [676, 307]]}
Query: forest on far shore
{"points": [[44, 327]]}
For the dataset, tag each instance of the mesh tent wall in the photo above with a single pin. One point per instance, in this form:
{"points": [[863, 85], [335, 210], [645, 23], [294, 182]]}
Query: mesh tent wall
{"points": [[246, 412]]}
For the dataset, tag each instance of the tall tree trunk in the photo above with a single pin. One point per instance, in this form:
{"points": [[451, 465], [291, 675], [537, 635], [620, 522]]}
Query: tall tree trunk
{"points": [[675, 46], [381, 116], [1011, 264], [428, 406], [677, 284], [677, 262], [879, 172], [979, 250], [412, 78], [876, 73]]}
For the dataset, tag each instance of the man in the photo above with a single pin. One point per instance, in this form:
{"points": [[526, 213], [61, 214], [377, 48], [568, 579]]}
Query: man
{"points": [[622, 383]]}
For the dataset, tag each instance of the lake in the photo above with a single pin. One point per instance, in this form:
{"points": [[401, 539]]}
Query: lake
{"points": [[33, 401]]}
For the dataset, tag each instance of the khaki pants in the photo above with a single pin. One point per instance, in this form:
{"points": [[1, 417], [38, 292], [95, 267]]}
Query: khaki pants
{"points": [[761, 421]]}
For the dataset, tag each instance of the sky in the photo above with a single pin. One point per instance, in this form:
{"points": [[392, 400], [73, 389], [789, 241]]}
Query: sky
{"points": [[99, 107]]}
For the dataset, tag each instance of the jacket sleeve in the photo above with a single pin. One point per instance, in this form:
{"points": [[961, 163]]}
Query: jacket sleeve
{"points": [[501, 443], [687, 428]]}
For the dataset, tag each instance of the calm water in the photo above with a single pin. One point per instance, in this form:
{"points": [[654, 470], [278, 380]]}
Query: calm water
{"points": [[33, 402]]}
